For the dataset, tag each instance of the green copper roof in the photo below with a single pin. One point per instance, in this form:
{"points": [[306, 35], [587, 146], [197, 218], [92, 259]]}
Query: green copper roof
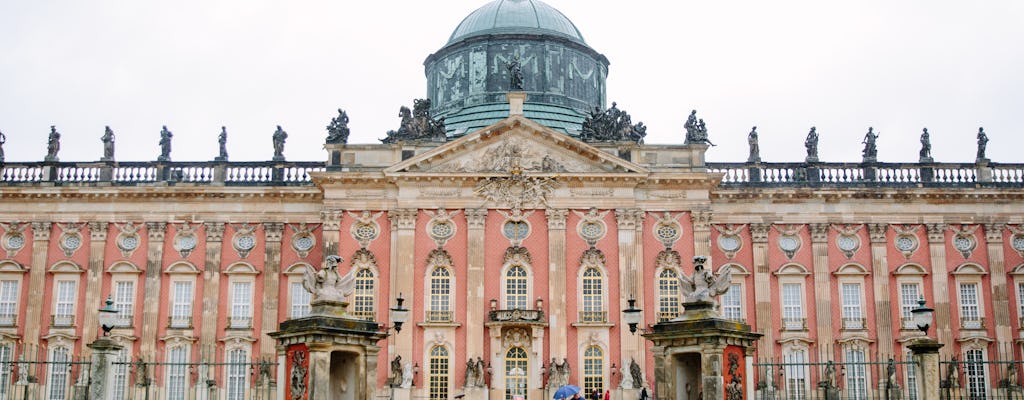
{"points": [[470, 119], [516, 16]]}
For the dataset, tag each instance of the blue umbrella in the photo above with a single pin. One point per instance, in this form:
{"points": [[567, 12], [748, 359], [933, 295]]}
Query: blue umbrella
{"points": [[566, 392]]}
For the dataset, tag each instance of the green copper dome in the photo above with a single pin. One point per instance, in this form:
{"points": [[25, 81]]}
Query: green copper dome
{"points": [[516, 16]]}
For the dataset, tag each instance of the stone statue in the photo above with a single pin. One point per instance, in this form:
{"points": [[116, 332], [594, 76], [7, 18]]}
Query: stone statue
{"points": [[926, 147], [298, 378], [870, 148], [828, 381], [3, 139], [396, 371], [755, 148], [734, 388], [515, 74], [704, 286], [52, 145], [890, 374], [337, 130], [472, 373], [558, 374], [108, 145], [417, 125], [811, 143], [222, 141], [407, 374], [1012, 380], [696, 131], [165, 144], [327, 285], [279, 137], [611, 125], [481, 371], [636, 374], [952, 374], [982, 144]]}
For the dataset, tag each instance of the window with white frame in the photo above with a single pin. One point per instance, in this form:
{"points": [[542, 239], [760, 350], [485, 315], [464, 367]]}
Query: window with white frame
{"points": [[8, 302], [238, 366], [856, 374], [970, 312], [241, 304], [1020, 302], [438, 370], [300, 300], [910, 293], [177, 372], [60, 368], [362, 300], [974, 372], [593, 296], [6, 368], [120, 382], [911, 376], [64, 307], [795, 370], [852, 312], [732, 302], [124, 302], [668, 295], [515, 289], [440, 296], [181, 304], [792, 306]]}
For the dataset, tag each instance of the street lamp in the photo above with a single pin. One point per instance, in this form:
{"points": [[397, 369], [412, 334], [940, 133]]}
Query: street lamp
{"points": [[399, 313], [922, 316], [631, 315], [108, 316]]}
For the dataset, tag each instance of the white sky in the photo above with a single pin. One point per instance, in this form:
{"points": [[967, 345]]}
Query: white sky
{"points": [[251, 65]]}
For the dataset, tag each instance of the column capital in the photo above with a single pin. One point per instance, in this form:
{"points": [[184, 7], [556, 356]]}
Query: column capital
{"points": [[701, 219], [41, 230], [556, 217], [273, 231], [627, 218], [476, 217], [98, 231], [936, 232], [331, 219], [403, 218], [214, 231], [819, 232], [759, 232], [994, 232], [156, 230], [877, 232]]}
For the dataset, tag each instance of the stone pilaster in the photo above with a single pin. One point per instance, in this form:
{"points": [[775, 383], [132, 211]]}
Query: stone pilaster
{"points": [[884, 321], [36, 279], [702, 234], [331, 220], [557, 319], [822, 280], [997, 272], [94, 279], [940, 283], [154, 272], [630, 227], [476, 311], [211, 282], [763, 290], [926, 360], [403, 231], [271, 283], [101, 378]]}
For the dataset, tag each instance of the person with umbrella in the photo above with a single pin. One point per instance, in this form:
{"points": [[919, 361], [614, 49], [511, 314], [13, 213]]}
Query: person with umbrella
{"points": [[568, 392]]}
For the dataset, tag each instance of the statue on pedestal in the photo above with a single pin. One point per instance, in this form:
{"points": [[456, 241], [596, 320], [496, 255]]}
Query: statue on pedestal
{"points": [[704, 286], [165, 144], [926, 147], [636, 374], [811, 143], [755, 147], [417, 125], [52, 145], [407, 374], [108, 145], [481, 371], [337, 130], [279, 137], [3, 139], [982, 144], [696, 131], [327, 284], [396, 371], [222, 141], [870, 148], [515, 74]]}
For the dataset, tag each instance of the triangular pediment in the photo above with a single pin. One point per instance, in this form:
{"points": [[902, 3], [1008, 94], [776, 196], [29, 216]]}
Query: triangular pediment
{"points": [[515, 143]]}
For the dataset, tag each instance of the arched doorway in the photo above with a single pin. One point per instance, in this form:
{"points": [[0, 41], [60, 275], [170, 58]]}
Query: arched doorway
{"points": [[516, 373]]}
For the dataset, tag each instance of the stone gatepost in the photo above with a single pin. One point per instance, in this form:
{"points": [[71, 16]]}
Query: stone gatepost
{"points": [[104, 351], [702, 355], [926, 360]]}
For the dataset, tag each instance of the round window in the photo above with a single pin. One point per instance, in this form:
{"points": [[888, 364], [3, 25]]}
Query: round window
{"points": [[365, 232], [591, 230], [847, 243], [789, 243], [186, 242], [1018, 242], [72, 242], [729, 242], [303, 243], [442, 230], [130, 242], [667, 232], [516, 230], [906, 243], [15, 242], [963, 243], [246, 242]]}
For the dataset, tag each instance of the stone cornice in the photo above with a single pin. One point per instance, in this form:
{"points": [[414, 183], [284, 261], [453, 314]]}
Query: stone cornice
{"points": [[941, 195], [160, 193]]}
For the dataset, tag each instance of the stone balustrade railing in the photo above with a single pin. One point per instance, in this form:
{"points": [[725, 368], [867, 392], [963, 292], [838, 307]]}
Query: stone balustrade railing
{"points": [[872, 174], [130, 173]]}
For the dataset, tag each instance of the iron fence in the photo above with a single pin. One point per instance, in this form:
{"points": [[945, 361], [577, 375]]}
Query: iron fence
{"points": [[29, 372], [852, 373], [983, 372]]}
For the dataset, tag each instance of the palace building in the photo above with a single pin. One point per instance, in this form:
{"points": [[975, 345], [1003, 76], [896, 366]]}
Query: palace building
{"points": [[515, 213]]}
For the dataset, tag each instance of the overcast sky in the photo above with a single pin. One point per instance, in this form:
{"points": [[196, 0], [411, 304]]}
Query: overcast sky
{"points": [[251, 65]]}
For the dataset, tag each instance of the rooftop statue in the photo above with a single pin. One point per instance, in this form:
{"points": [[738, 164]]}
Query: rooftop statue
{"points": [[755, 148], [337, 130], [704, 286], [611, 125], [696, 131], [108, 145], [3, 139], [326, 285], [222, 141], [982, 144], [926, 147], [870, 147], [811, 143], [417, 125], [515, 74], [52, 145], [165, 144], [279, 137]]}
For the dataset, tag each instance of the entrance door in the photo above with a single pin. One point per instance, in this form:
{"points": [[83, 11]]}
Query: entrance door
{"points": [[516, 372]]}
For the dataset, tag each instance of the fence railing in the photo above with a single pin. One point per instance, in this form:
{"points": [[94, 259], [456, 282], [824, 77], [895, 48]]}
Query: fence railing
{"points": [[130, 173], [869, 174], [836, 374]]}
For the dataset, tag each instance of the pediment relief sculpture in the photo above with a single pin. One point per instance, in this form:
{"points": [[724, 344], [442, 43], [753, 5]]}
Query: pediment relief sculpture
{"points": [[512, 153]]}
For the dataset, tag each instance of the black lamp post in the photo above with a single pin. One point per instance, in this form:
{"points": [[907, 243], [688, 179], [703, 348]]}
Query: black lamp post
{"points": [[631, 315], [922, 316], [399, 313], [107, 316]]}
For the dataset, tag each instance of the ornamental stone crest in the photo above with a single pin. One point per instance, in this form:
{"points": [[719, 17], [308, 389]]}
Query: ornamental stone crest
{"points": [[441, 227], [365, 228], [517, 191], [513, 154]]}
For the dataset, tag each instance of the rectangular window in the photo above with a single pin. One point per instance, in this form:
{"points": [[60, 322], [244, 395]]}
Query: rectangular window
{"points": [[238, 364], [118, 392], [856, 374], [60, 367], [732, 307], [796, 374], [64, 308], [177, 369], [1020, 302], [970, 315], [300, 300], [852, 314], [8, 303], [181, 309], [911, 377], [792, 306], [6, 368], [974, 371], [241, 305], [909, 294], [124, 300]]}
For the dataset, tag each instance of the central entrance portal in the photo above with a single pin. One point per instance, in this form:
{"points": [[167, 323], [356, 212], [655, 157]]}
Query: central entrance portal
{"points": [[517, 368]]}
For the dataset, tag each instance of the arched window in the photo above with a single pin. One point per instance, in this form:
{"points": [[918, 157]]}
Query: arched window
{"points": [[516, 372], [363, 299], [515, 288], [60, 368], [440, 296], [668, 295], [177, 371], [438, 372], [593, 370], [238, 365], [593, 293]]}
